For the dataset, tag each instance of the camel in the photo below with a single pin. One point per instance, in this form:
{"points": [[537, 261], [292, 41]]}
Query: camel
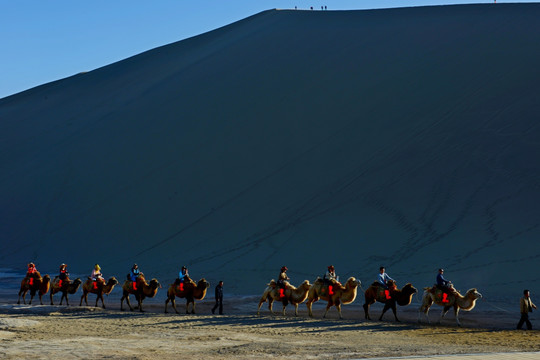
{"points": [[402, 297], [189, 290], [99, 288], [341, 294], [37, 284], [143, 290], [455, 300], [68, 287], [291, 294]]}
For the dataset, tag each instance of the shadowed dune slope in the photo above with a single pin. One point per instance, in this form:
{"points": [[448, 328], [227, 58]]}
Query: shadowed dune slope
{"points": [[404, 137]]}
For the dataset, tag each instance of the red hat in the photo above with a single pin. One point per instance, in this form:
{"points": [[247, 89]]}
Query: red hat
{"points": [[284, 268]]}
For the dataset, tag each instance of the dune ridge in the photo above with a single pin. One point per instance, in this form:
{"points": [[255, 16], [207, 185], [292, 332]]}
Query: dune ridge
{"points": [[400, 137]]}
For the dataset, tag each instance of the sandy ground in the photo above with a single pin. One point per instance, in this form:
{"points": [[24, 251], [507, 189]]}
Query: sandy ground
{"points": [[88, 332]]}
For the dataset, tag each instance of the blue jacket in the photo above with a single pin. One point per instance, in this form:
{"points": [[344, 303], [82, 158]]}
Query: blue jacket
{"points": [[441, 281]]}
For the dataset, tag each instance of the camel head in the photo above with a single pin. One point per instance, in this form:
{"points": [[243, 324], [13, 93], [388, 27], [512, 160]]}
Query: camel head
{"points": [[306, 284], [203, 284], [77, 282], [473, 294], [353, 282], [46, 279], [154, 284], [409, 289], [112, 281]]}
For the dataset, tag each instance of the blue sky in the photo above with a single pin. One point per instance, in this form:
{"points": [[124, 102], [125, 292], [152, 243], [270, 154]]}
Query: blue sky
{"points": [[43, 41]]}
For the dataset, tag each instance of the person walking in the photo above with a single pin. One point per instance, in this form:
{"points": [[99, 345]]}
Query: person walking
{"points": [[526, 306], [219, 299]]}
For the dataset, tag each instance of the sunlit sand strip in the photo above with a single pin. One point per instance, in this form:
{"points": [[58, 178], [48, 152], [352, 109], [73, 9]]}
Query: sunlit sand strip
{"points": [[494, 356]]}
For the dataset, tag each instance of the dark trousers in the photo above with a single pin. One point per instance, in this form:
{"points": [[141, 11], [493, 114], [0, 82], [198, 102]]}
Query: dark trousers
{"points": [[524, 319], [219, 303]]}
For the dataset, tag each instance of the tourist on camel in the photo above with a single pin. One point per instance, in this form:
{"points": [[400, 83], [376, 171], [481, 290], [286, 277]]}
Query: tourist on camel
{"points": [[442, 283], [281, 281], [330, 275], [383, 281], [282, 277], [63, 275], [183, 275], [31, 270], [134, 274], [330, 278], [31, 273], [96, 274]]}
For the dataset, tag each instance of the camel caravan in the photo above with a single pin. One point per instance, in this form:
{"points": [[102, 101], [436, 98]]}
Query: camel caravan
{"points": [[384, 290], [328, 289]]}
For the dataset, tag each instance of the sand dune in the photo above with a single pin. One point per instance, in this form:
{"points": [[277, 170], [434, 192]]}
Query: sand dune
{"points": [[403, 137]]}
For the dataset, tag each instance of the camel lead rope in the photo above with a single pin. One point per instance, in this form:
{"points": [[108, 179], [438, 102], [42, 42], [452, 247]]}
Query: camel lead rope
{"points": [[496, 307]]}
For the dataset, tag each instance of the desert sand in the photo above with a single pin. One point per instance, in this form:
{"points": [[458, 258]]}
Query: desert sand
{"points": [[44, 332], [398, 137]]}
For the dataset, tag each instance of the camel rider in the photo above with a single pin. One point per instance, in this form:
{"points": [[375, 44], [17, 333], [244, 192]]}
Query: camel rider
{"points": [[331, 275], [282, 277], [134, 274], [97, 275], [183, 275], [281, 280], [383, 281], [442, 282], [331, 278], [63, 275], [31, 273], [445, 285]]}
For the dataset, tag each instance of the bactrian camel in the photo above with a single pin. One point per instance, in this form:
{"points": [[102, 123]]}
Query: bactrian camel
{"points": [[340, 294], [453, 299], [291, 295], [68, 287], [375, 293], [99, 288], [142, 290], [34, 284], [188, 290]]}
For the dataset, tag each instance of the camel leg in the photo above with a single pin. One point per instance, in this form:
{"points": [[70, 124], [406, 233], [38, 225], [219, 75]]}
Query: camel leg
{"points": [[139, 300], [66, 296], [100, 296], [389, 305], [424, 308], [32, 294], [259, 307], [173, 303], [167, 303], [329, 305], [295, 309], [366, 307], [62, 298], [456, 313], [309, 304], [443, 313], [126, 297], [40, 298], [270, 304], [85, 297], [338, 307], [284, 307], [23, 292], [51, 297]]}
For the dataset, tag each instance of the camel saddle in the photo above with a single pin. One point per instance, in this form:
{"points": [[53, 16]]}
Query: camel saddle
{"points": [[33, 278], [442, 294], [382, 296], [57, 282]]}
